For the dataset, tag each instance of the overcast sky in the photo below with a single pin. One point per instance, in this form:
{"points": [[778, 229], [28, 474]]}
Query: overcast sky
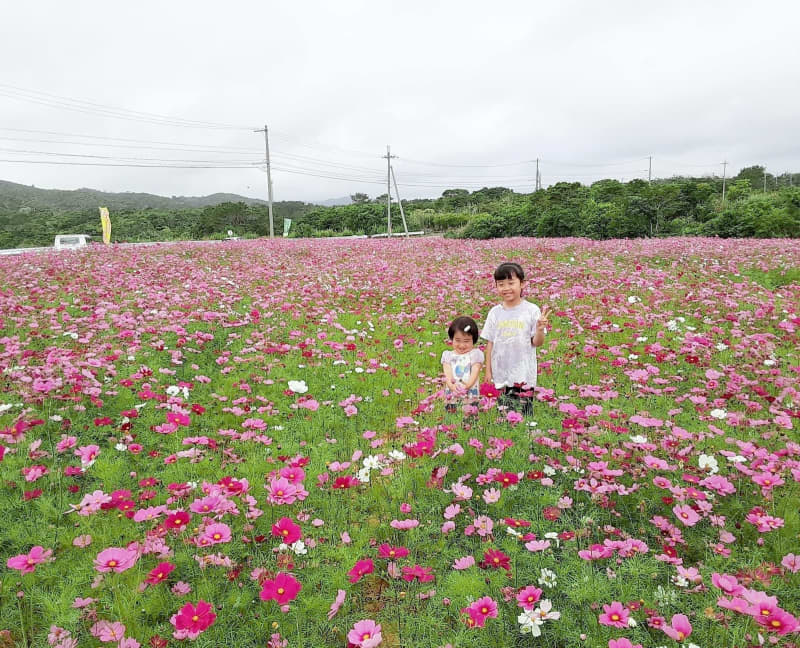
{"points": [[591, 88]]}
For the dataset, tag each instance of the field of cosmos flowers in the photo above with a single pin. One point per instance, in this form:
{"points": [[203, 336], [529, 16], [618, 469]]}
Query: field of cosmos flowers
{"points": [[245, 444]]}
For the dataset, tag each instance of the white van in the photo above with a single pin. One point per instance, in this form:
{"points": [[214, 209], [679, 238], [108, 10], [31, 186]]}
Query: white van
{"points": [[71, 241]]}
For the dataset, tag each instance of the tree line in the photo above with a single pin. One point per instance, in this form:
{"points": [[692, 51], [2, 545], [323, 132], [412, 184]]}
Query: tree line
{"points": [[756, 204]]}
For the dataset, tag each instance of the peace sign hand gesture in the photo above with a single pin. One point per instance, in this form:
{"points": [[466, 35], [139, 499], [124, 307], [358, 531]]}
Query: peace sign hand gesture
{"points": [[543, 322]]}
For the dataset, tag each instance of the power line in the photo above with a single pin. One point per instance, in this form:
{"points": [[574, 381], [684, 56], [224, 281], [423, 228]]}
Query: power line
{"points": [[145, 166], [79, 105]]}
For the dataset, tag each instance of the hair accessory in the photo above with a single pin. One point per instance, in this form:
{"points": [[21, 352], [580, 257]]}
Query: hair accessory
{"points": [[467, 327]]}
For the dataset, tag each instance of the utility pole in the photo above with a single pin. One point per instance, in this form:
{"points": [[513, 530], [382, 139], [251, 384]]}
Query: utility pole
{"points": [[269, 181], [389, 157], [538, 177], [765, 181], [399, 202], [724, 169], [650, 169]]}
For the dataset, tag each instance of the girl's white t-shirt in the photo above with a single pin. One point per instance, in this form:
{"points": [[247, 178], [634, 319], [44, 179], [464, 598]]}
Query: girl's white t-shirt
{"points": [[513, 356]]}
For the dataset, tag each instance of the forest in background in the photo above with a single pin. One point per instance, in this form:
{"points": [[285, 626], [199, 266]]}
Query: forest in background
{"points": [[756, 204]]}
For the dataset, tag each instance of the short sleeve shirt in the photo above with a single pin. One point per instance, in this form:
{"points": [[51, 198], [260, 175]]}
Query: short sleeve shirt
{"points": [[513, 356], [461, 365]]}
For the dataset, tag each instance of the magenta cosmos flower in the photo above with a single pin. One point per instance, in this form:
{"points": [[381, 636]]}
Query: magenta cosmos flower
{"points": [[615, 615], [528, 597], [287, 530], [361, 568], [191, 620], [477, 613], [26, 563], [159, 573], [282, 589], [115, 559], [365, 634]]}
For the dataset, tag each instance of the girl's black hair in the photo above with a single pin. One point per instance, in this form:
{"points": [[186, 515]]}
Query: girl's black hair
{"points": [[509, 270], [463, 324]]}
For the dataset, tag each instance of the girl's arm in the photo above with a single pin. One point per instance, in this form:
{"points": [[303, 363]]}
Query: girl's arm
{"points": [[488, 356], [474, 374], [448, 376]]}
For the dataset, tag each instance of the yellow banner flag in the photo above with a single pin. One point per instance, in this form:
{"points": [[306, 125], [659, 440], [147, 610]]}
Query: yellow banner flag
{"points": [[105, 221]]}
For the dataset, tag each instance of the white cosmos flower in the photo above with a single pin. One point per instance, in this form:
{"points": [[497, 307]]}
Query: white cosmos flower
{"points": [[530, 623], [298, 386], [708, 462], [299, 548], [720, 414], [638, 439]]}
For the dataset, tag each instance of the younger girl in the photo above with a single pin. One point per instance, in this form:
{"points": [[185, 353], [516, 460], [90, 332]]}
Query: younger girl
{"points": [[462, 365]]}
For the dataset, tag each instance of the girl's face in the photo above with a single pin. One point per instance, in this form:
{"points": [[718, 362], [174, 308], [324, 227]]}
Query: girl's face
{"points": [[510, 290], [462, 343]]}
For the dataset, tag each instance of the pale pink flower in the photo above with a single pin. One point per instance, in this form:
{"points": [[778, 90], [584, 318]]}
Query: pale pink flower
{"points": [[337, 603], [463, 563], [115, 559], [679, 629], [791, 562], [107, 632], [686, 514], [365, 634]]}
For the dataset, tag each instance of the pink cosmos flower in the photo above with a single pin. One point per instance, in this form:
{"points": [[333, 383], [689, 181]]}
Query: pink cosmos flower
{"points": [[686, 514], [82, 541], [361, 568], [451, 511], [283, 589], [622, 642], [513, 417], [596, 552], [83, 602], [537, 545], [214, 534], [87, 454], [779, 621], [495, 559], [106, 631], [365, 634], [389, 552], [422, 574], [287, 530], [404, 525], [477, 613], [191, 620], [463, 563], [726, 583], [281, 491], [791, 562], [115, 559], [679, 629], [26, 563], [528, 597], [337, 603], [615, 615], [159, 573]]}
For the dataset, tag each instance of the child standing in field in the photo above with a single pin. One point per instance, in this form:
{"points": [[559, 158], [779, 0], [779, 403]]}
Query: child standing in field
{"points": [[513, 330], [462, 365]]}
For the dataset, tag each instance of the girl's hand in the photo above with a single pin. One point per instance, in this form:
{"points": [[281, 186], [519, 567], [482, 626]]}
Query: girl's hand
{"points": [[543, 322]]}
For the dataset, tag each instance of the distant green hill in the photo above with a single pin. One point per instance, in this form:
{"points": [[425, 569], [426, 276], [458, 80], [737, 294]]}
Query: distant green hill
{"points": [[14, 197]]}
